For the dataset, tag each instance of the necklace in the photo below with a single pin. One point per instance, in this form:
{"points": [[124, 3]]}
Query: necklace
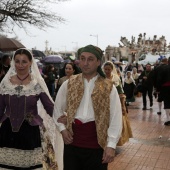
{"points": [[23, 78], [18, 90], [20, 87]]}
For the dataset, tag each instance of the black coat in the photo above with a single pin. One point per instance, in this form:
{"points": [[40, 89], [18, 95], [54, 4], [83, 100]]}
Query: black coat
{"points": [[157, 74], [148, 83], [4, 69], [164, 76]]}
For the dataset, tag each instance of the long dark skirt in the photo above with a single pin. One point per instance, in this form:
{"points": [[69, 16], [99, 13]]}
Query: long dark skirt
{"points": [[20, 150], [129, 92]]}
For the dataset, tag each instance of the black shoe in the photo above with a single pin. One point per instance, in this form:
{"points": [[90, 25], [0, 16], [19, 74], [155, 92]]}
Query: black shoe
{"points": [[159, 113], [144, 108], [167, 123]]}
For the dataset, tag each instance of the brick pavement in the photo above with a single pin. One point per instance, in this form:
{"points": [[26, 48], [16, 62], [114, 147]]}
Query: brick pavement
{"points": [[149, 149]]}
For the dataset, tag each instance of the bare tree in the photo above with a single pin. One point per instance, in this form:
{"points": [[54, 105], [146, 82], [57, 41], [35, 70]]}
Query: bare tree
{"points": [[22, 13]]}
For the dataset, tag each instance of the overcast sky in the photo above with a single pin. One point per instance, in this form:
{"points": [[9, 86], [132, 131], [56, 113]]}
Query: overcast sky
{"points": [[109, 19]]}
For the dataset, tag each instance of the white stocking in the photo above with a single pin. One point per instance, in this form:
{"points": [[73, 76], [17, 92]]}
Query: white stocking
{"points": [[159, 106]]}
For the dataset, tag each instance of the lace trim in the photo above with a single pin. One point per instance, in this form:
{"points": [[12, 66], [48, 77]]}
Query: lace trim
{"points": [[33, 88], [10, 169], [20, 158]]}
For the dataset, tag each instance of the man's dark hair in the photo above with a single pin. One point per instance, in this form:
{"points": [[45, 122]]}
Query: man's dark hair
{"points": [[4, 58], [148, 64]]}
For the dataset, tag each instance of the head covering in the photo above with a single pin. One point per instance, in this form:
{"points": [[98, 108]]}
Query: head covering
{"points": [[35, 75], [115, 77], [129, 80], [96, 51], [48, 122], [91, 49]]}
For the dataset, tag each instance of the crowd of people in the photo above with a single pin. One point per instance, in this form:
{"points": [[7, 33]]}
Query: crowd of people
{"points": [[151, 81], [82, 110]]}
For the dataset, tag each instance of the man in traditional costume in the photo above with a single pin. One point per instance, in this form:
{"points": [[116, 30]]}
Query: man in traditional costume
{"points": [[94, 115]]}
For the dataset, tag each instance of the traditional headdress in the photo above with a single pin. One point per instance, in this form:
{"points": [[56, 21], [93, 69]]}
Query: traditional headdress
{"points": [[96, 51], [129, 80], [116, 78]]}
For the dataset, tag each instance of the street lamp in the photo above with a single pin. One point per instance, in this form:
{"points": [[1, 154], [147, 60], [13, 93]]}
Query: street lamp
{"points": [[96, 38]]}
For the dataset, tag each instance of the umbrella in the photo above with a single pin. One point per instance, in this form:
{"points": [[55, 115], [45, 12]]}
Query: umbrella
{"points": [[38, 54], [53, 59], [1, 54], [9, 44]]}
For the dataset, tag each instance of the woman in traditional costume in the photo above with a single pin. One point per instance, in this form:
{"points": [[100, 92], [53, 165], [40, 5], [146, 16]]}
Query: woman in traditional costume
{"points": [[27, 130], [135, 76], [111, 73], [129, 87], [68, 70]]}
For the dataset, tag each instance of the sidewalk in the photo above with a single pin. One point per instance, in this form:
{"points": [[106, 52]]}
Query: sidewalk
{"points": [[150, 147]]}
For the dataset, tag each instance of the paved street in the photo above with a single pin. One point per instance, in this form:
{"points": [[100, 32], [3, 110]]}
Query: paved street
{"points": [[150, 147]]}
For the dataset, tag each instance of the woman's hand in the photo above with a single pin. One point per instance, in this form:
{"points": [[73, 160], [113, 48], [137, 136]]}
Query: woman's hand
{"points": [[62, 119]]}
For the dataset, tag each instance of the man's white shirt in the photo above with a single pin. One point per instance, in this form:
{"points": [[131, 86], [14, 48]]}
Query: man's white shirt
{"points": [[85, 111]]}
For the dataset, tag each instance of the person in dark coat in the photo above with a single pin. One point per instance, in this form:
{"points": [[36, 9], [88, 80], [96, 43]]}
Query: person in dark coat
{"points": [[157, 70], [4, 66], [147, 85], [163, 85], [50, 80]]}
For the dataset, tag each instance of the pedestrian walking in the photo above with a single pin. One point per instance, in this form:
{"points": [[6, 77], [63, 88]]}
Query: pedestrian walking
{"points": [[157, 91], [163, 85], [147, 85], [111, 74], [129, 87]]}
